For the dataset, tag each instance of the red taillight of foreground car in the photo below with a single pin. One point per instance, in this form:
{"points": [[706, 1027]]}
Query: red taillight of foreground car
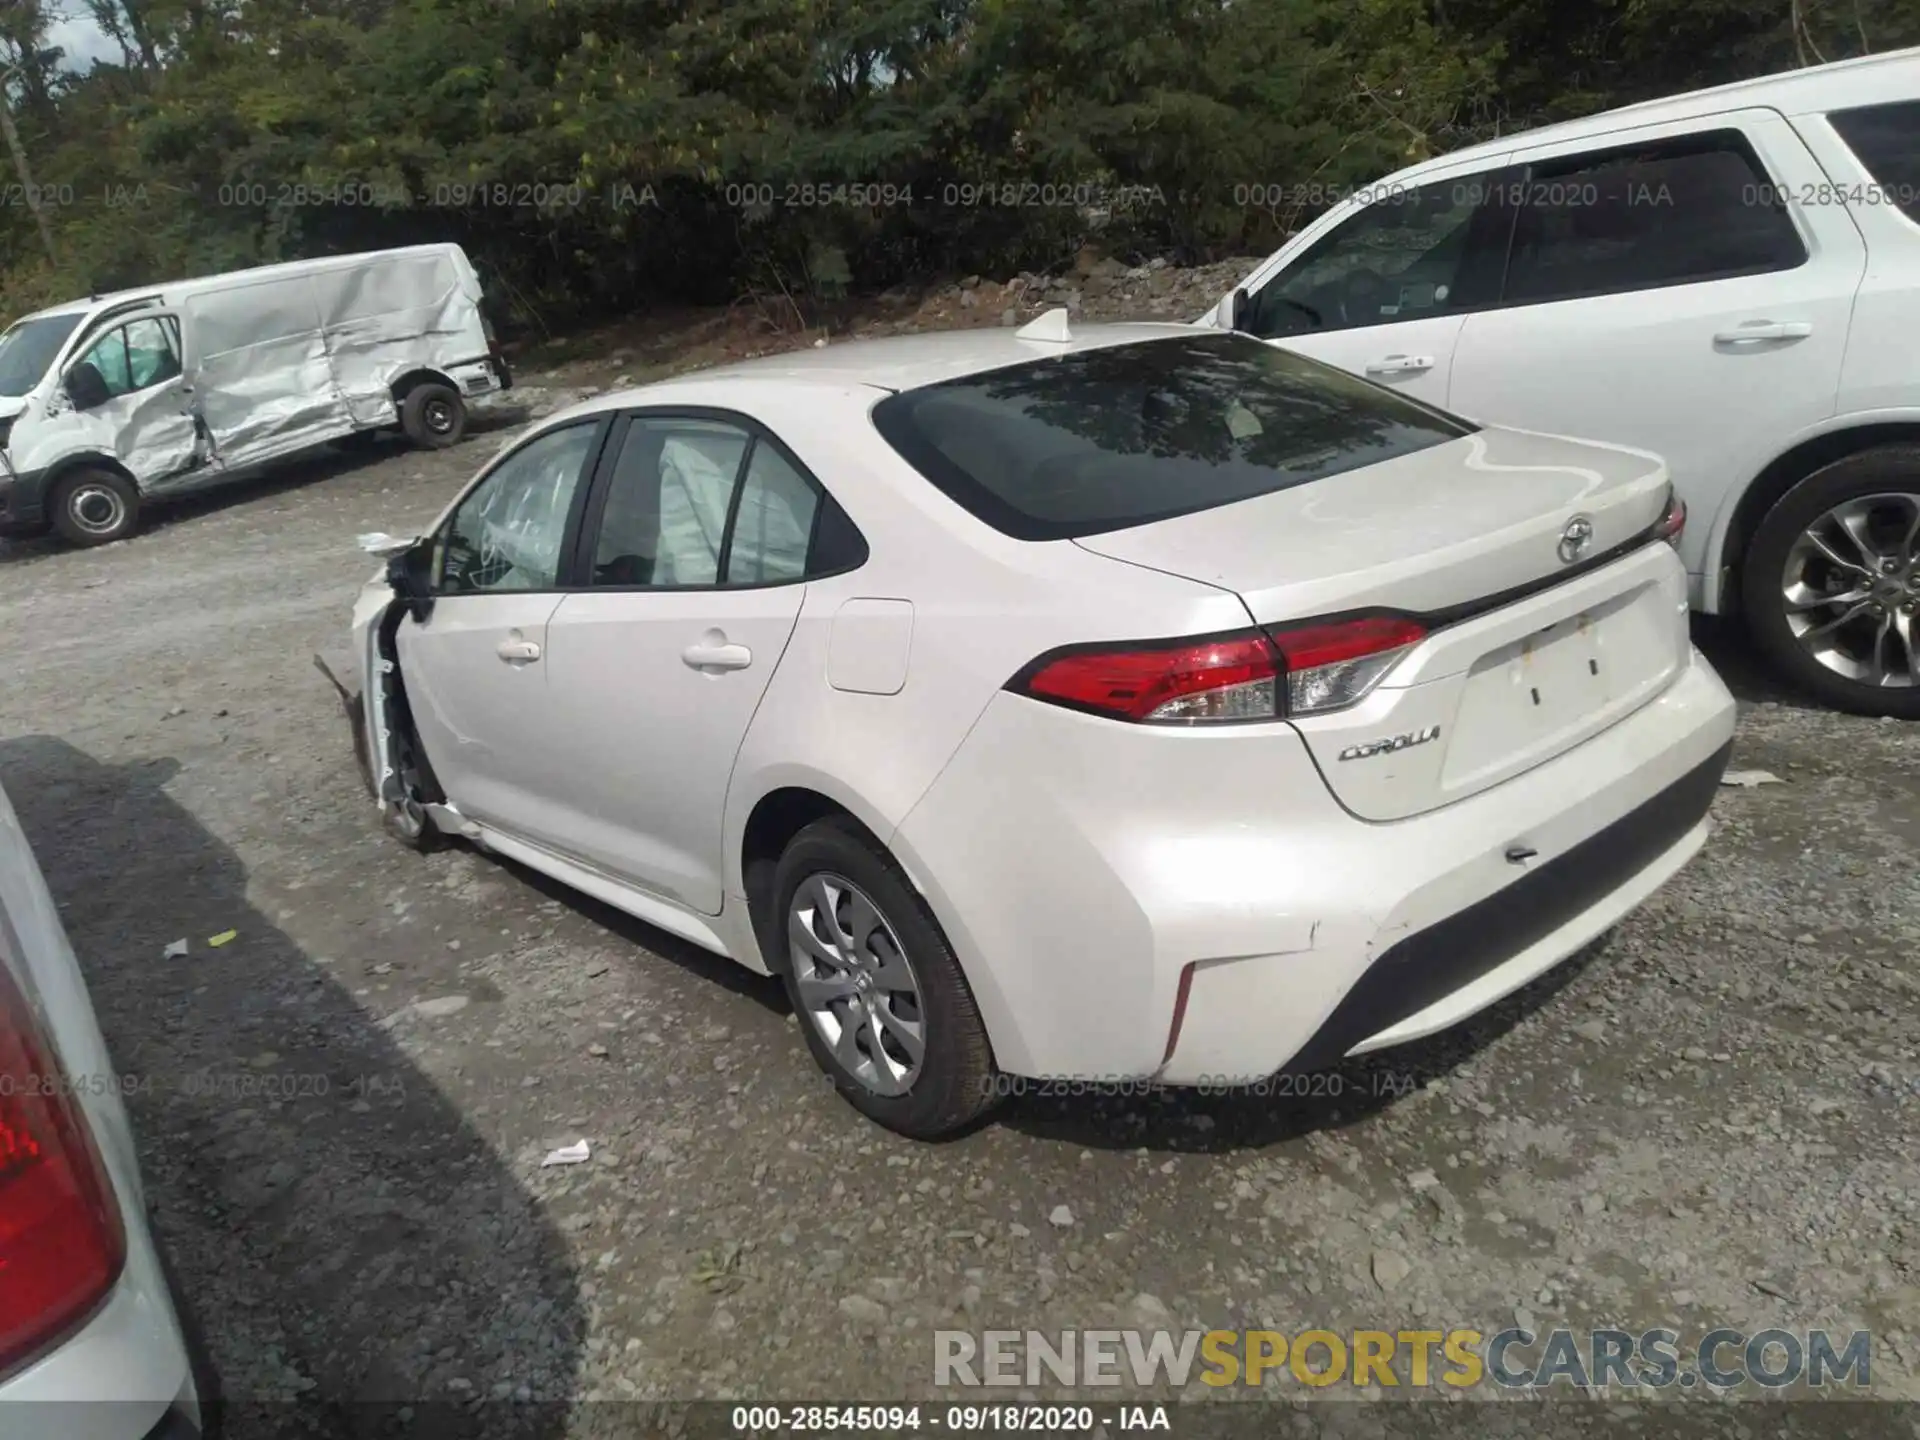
{"points": [[1224, 678], [1333, 664], [61, 1239], [1673, 523]]}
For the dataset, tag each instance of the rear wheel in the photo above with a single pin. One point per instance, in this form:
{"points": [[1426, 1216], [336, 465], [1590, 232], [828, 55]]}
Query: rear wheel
{"points": [[1831, 583], [433, 415], [880, 997], [94, 507]]}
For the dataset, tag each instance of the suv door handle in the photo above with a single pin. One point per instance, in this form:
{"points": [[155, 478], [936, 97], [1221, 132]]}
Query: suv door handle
{"points": [[1401, 365], [518, 652], [717, 657], [1764, 330]]}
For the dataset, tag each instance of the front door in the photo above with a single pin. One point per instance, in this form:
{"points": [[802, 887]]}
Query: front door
{"points": [[476, 668], [148, 411], [657, 665], [1384, 289]]}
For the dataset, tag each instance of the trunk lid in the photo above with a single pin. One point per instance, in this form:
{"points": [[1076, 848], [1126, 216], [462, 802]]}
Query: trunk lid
{"points": [[1520, 665]]}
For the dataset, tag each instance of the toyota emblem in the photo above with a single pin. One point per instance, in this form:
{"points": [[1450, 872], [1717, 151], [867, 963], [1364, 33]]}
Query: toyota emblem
{"points": [[1575, 538]]}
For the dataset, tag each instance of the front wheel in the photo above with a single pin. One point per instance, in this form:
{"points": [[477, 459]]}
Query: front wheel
{"points": [[1831, 583], [94, 507], [433, 416], [881, 999]]}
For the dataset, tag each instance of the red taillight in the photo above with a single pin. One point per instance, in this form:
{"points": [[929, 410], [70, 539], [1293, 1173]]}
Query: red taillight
{"points": [[1674, 522], [1224, 677], [1333, 664], [61, 1238]]}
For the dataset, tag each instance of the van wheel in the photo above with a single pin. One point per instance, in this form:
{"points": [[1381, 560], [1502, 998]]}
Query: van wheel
{"points": [[433, 416], [1831, 583], [877, 990], [94, 507]]}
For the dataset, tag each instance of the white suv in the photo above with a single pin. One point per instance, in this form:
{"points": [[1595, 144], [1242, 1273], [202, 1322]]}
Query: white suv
{"points": [[1729, 278]]}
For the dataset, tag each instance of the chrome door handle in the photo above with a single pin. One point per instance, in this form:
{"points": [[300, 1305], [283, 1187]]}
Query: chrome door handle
{"points": [[517, 652], [1764, 330], [717, 657], [1401, 365]]}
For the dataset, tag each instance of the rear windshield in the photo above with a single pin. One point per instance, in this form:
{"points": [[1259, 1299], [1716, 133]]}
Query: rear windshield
{"points": [[1887, 140], [1103, 439]]}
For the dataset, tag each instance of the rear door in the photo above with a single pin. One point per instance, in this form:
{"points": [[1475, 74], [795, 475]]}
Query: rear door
{"points": [[695, 557], [1382, 287], [1680, 288], [475, 668]]}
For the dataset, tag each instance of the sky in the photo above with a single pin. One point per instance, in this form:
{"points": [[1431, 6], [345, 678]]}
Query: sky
{"points": [[73, 30]]}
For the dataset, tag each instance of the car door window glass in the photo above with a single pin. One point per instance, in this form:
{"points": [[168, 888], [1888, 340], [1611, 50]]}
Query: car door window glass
{"points": [[1886, 138], [665, 517], [773, 524], [1402, 257], [507, 534], [108, 355], [151, 354], [1672, 213]]}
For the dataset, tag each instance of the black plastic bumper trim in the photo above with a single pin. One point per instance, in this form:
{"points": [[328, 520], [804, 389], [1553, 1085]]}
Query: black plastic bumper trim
{"points": [[1432, 964]]}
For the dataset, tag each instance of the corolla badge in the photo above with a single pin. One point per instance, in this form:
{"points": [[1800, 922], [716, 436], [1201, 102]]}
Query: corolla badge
{"points": [[1369, 748], [1575, 538]]}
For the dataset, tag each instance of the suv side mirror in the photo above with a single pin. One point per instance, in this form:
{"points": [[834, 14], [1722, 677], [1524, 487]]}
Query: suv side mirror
{"points": [[410, 573], [1238, 306], [87, 387]]}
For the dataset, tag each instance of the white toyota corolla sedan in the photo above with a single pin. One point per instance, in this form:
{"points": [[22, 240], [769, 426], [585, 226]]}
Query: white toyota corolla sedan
{"points": [[1133, 704]]}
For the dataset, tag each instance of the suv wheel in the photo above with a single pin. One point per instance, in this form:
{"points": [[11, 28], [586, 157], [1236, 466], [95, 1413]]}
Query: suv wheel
{"points": [[879, 995], [1831, 583]]}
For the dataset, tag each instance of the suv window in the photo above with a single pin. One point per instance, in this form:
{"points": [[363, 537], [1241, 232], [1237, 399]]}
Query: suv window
{"points": [[1098, 440], [1887, 140], [507, 533], [1672, 213], [1413, 252]]}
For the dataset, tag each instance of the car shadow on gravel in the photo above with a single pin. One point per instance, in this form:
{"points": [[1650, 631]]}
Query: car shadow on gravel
{"points": [[348, 1243], [1284, 1107], [1723, 640]]}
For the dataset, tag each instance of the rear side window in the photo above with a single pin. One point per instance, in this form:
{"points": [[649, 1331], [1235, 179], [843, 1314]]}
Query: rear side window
{"points": [[1102, 439], [1673, 213], [1887, 140]]}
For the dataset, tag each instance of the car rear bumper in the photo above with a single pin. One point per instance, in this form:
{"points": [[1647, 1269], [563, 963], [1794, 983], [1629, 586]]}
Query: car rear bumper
{"points": [[1095, 878]]}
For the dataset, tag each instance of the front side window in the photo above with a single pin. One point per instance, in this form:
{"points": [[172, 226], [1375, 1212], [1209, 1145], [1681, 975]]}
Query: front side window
{"points": [[1411, 253], [1886, 138], [1098, 440], [508, 533], [1675, 212]]}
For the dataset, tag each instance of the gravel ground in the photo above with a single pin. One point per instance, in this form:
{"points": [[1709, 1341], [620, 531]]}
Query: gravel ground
{"points": [[1708, 1119]]}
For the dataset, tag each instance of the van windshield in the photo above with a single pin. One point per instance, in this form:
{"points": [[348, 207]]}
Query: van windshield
{"points": [[28, 349]]}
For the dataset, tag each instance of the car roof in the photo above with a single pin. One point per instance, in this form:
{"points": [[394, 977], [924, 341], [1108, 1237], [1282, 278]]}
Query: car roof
{"points": [[1842, 84], [893, 363]]}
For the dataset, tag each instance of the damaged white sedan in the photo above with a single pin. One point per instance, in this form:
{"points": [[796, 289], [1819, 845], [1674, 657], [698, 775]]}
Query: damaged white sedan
{"points": [[1133, 706], [114, 400]]}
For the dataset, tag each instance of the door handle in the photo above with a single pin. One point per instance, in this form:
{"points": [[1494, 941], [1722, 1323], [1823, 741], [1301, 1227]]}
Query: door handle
{"points": [[717, 657], [1764, 330], [1401, 365], [518, 652]]}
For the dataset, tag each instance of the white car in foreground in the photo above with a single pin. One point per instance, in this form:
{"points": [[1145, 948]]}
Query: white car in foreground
{"points": [[1141, 704], [91, 1347]]}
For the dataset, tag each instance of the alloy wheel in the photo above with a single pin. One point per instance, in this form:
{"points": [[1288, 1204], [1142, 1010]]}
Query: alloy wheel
{"points": [[1851, 589]]}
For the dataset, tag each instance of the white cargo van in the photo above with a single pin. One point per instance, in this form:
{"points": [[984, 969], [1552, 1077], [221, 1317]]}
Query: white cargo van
{"points": [[108, 401]]}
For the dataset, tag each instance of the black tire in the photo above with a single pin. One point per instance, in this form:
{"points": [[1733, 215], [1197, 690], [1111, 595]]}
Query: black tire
{"points": [[92, 506], [433, 416], [1891, 470], [955, 1084], [408, 822]]}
